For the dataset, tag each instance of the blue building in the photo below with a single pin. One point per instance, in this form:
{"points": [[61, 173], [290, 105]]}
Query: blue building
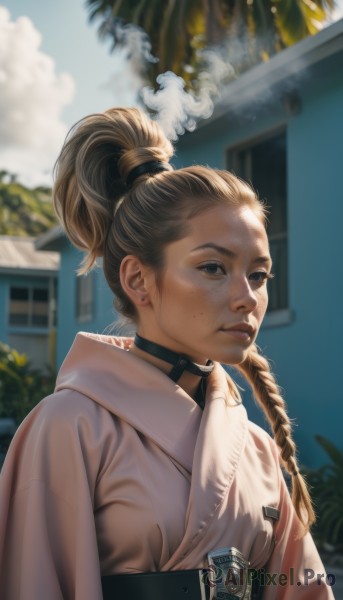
{"points": [[28, 283], [280, 126], [85, 302]]}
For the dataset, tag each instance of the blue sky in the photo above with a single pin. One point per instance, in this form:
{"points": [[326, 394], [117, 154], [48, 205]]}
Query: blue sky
{"points": [[73, 43], [53, 71]]}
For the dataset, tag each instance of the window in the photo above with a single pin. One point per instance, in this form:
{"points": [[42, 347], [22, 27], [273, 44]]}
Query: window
{"points": [[29, 306], [264, 164], [84, 297]]}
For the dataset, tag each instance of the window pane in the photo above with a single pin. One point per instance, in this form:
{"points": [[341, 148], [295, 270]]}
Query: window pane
{"points": [[84, 297], [29, 307], [268, 162], [19, 318], [39, 320], [40, 313], [40, 307], [19, 313], [40, 295], [19, 293], [264, 165]]}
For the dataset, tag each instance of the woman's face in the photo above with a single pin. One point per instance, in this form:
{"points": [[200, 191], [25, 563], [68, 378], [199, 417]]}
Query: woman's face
{"points": [[213, 294]]}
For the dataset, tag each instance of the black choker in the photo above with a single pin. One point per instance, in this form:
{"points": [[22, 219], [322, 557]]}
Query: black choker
{"points": [[180, 362]]}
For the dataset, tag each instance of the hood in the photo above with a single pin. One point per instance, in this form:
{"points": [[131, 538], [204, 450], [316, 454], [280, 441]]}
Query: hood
{"points": [[101, 368], [208, 443]]}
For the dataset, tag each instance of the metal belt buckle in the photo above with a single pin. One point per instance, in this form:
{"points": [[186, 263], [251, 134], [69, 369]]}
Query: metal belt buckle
{"points": [[228, 575]]}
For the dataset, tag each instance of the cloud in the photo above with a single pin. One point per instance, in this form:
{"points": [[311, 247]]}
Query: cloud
{"points": [[32, 96]]}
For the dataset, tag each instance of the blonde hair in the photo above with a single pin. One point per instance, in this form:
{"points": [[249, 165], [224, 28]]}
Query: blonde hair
{"points": [[256, 369], [105, 217]]}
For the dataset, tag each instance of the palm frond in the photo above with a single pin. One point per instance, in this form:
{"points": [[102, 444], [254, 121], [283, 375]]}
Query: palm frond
{"points": [[179, 28]]}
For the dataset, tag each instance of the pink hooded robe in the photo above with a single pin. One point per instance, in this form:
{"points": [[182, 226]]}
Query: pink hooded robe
{"points": [[120, 471]]}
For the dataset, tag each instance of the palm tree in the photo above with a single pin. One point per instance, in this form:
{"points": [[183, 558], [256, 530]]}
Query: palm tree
{"points": [[249, 30]]}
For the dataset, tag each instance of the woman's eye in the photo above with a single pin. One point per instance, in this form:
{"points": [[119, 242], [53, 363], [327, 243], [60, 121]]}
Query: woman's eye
{"points": [[261, 276], [212, 269]]}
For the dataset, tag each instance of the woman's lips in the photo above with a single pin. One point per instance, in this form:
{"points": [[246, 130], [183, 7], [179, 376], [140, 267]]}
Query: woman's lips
{"points": [[241, 331], [238, 334]]}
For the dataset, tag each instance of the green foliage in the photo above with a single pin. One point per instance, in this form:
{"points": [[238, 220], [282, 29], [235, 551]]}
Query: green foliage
{"points": [[326, 485], [250, 30], [24, 211], [21, 386]]}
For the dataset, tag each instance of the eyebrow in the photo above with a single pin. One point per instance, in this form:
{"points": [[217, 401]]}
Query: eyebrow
{"points": [[230, 253]]}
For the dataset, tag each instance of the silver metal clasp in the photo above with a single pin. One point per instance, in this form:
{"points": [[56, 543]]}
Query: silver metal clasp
{"points": [[228, 575]]}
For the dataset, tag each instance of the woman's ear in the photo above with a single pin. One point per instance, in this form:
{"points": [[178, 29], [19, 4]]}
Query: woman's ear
{"points": [[133, 278]]}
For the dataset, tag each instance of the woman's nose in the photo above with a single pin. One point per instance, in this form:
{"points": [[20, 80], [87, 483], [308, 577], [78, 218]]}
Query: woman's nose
{"points": [[242, 297]]}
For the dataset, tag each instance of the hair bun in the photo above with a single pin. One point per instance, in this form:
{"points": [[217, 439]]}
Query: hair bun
{"points": [[148, 168], [92, 171], [140, 161]]}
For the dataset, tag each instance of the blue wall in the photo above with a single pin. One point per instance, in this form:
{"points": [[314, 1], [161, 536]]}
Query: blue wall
{"points": [[306, 353], [68, 325]]}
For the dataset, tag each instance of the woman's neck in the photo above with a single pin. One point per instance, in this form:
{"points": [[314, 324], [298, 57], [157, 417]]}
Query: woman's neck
{"points": [[188, 382]]}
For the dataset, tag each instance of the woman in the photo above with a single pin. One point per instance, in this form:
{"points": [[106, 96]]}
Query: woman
{"points": [[143, 460]]}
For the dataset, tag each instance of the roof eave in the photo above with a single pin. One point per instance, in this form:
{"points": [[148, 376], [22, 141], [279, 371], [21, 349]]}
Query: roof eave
{"points": [[29, 272], [50, 240], [286, 65]]}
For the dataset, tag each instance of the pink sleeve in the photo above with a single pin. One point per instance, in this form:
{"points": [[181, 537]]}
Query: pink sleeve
{"points": [[295, 570], [48, 546]]}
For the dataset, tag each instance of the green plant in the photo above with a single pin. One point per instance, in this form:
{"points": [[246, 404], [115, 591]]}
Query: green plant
{"points": [[24, 211], [21, 386], [247, 31], [326, 485]]}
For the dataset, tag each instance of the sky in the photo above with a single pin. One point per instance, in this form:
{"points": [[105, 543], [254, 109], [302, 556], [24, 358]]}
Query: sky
{"points": [[54, 70]]}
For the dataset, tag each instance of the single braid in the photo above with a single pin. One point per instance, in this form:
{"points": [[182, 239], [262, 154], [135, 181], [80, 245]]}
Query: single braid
{"points": [[257, 371]]}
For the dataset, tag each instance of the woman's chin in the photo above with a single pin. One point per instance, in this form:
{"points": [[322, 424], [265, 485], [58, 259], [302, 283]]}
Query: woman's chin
{"points": [[233, 358]]}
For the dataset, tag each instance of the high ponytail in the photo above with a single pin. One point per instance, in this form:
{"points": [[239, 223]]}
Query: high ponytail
{"points": [[92, 169], [257, 371]]}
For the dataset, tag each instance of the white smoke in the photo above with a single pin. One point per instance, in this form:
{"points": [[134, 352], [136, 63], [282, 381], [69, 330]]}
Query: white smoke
{"points": [[337, 13], [176, 108], [217, 69], [137, 43], [131, 59], [32, 96]]}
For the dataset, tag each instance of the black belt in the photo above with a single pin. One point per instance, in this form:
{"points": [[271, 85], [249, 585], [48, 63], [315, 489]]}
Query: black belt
{"points": [[166, 585]]}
